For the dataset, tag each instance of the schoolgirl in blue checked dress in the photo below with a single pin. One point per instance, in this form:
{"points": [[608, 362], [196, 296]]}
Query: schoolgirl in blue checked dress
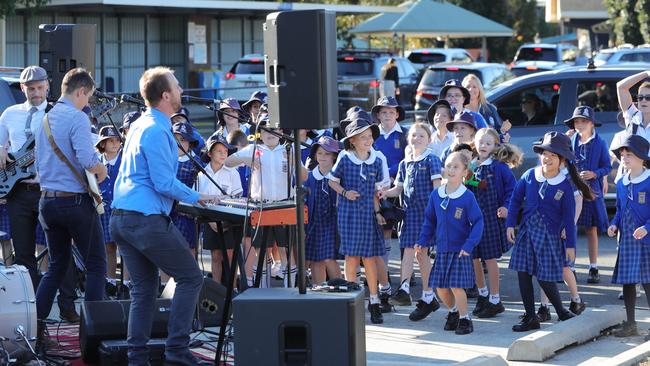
{"points": [[493, 192], [593, 164], [539, 251], [632, 223], [453, 216], [320, 238], [357, 176], [417, 175], [187, 174]]}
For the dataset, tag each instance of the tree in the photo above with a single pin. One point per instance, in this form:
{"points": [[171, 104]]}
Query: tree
{"points": [[625, 22], [8, 7], [643, 11]]}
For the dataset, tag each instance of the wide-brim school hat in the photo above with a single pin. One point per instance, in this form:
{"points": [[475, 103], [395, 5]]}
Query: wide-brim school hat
{"points": [[358, 126], [557, 143], [463, 117], [585, 112], [228, 103], [361, 114], [431, 112], [454, 83], [128, 119], [218, 138], [106, 133], [257, 96], [634, 143], [180, 114], [327, 143], [388, 102], [184, 129]]}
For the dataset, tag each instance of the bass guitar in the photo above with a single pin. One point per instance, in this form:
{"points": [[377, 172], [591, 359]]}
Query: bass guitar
{"points": [[17, 170]]}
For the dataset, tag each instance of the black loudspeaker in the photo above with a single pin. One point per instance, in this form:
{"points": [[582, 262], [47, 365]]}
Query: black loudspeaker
{"points": [[63, 47], [211, 301], [312, 329], [300, 69], [108, 320]]}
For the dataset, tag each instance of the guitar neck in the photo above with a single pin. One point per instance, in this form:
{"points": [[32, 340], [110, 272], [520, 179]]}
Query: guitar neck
{"points": [[26, 159]]}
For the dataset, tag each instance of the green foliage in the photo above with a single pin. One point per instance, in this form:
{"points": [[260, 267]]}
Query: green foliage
{"points": [[643, 11], [8, 7], [628, 18]]}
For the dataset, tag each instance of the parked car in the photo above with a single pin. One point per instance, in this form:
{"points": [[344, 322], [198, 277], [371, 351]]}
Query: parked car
{"points": [[556, 94], [422, 57], [434, 78], [557, 53], [531, 67], [622, 54], [359, 79], [245, 77], [10, 92]]}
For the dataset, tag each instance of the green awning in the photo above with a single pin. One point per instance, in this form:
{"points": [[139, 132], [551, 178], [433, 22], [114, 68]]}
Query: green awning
{"points": [[430, 18]]}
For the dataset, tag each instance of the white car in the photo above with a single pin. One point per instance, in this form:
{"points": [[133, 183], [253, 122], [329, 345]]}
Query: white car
{"points": [[423, 56], [245, 77]]}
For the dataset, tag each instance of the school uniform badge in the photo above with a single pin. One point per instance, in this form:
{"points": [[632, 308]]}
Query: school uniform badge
{"points": [[459, 213], [558, 195], [642, 197]]}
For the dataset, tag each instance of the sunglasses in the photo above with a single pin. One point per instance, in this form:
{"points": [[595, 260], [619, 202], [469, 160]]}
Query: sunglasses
{"points": [[642, 97]]}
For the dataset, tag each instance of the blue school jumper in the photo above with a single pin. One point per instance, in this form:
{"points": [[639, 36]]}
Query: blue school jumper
{"points": [[392, 145], [457, 223], [320, 238], [304, 151], [594, 156], [416, 176], [361, 235], [494, 193], [549, 206], [186, 173], [106, 188], [632, 211]]}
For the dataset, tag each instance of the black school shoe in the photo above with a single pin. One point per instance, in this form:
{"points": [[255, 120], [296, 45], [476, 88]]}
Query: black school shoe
{"points": [[481, 303], [594, 277], [544, 314], [384, 305], [472, 293], [577, 307], [627, 329], [565, 315], [491, 310], [452, 320], [375, 314], [465, 326], [185, 358], [400, 298], [422, 309], [527, 323]]}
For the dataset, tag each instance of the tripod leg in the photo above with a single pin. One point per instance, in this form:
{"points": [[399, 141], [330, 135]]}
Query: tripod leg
{"points": [[261, 258]]}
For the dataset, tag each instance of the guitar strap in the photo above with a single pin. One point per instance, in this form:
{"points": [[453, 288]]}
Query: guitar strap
{"points": [[59, 153]]}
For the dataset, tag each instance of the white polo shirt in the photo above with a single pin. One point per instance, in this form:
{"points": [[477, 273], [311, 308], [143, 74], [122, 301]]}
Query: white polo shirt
{"points": [[269, 183], [227, 178], [634, 116]]}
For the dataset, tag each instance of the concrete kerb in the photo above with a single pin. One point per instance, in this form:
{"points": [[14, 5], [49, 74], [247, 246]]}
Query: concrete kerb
{"points": [[485, 360], [543, 344], [628, 358]]}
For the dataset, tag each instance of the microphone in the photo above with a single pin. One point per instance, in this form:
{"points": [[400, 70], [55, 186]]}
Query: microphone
{"points": [[125, 98], [100, 94], [192, 99]]}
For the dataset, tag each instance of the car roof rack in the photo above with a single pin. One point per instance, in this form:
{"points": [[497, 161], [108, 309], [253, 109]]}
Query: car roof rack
{"points": [[365, 52]]}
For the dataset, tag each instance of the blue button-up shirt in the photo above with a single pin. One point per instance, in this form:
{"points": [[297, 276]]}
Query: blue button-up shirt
{"points": [[147, 181], [71, 131]]}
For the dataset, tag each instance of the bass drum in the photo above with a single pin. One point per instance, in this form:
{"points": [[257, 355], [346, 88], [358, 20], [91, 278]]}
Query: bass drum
{"points": [[17, 304]]}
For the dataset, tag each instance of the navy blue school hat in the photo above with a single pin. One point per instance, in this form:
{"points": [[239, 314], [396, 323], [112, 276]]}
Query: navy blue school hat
{"points": [[327, 143], [184, 129], [128, 119], [357, 126], [464, 117], [257, 96], [218, 138], [361, 114], [106, 133], [182, 115], [432, 110], [557, 143], [583, 111], [228, 103], [454, 83], [388, 102], [636, 144]]}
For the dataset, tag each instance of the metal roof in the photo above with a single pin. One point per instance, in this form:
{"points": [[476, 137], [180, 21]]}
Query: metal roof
{"points": [[429, 18]]}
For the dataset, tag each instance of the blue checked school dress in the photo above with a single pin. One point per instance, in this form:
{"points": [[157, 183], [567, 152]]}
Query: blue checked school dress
{"points": [[186, 173], [493, 242], [320, 239], [632, 211], [4, 222], [361, 235], [450, 271], [416, 177], [106, 188], [538, 251], [593, 156]]}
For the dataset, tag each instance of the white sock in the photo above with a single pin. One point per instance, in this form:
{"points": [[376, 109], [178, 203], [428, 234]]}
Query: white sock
{"points": [[483, 291], [112, 281], [385, 289], [466, 316], [454, 309], [428, 296], [374, 299], [576, 299], [405, 286], [593, 265], [494, 299], [293, 274]]}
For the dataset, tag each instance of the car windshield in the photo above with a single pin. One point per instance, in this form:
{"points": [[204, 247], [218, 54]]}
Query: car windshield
{"points": [[603, 56], [437, 77], [521, 71], [249, 67], [426, 57], [536, 54], [351, 66]]}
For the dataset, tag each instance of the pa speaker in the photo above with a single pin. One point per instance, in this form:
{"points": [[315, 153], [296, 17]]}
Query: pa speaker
{"points": [[210, 304], [63, 47], [312, 329], [300, 69], [108, 320]]}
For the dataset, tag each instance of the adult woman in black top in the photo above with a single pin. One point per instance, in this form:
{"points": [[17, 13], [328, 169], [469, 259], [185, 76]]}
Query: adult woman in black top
{"points": [[389, 86]]}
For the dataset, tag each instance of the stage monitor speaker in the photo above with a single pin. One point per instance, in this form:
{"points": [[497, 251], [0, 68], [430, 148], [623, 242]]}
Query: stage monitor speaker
{"points": [[108, 320], [300, 69], [211, 301], [63, 47], [312, 329]]}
